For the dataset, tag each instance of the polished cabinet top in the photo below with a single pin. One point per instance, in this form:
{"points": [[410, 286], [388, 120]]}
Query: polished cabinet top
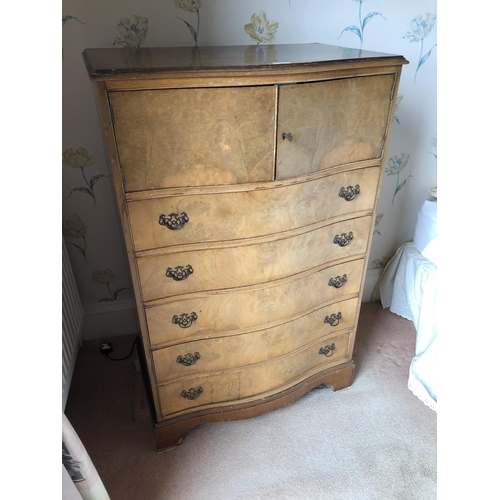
{"points": [[127, 61]]}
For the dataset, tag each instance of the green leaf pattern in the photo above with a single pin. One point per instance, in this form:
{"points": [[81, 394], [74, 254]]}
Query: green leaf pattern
{"points": [[379, 263], [74, 227], [191, 6], [359, 30], [81, 159], [395, 165], [106, 277]]}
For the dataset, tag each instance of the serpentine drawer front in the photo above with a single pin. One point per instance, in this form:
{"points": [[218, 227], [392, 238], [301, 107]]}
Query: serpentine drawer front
{"points": [[252, 381], [252, 263], [178, 220], [247, 184], [255, 347], [236, 311]]}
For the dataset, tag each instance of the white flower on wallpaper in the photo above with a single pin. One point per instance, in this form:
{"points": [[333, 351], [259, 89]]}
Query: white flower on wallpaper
{"points": [[359, 30], [81, 159], [261, 29], [191, 6], [132, 31], [106, 277], [421, 28], [395, 165], [74, 227]]}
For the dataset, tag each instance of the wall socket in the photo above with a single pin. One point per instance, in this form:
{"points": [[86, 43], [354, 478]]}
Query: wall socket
{"points": [[106, 347]]}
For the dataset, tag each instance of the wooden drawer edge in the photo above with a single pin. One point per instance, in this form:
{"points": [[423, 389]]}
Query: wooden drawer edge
{"points": [[255, 186]]}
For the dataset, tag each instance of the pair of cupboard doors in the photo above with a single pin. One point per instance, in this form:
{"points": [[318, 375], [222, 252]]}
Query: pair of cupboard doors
{"points": [[221, 136]]}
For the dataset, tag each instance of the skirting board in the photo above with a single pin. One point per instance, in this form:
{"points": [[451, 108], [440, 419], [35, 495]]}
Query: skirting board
{"points": [[111, 319]]}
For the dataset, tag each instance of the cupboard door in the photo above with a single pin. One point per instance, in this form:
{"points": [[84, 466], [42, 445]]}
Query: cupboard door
{"points": [[194, 137], [324, 124]]}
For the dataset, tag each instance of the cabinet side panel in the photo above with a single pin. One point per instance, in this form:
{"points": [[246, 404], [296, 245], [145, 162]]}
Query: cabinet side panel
{"points": [[119, 195]]}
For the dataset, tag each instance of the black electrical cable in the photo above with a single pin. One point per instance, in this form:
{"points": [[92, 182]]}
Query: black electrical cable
{"points": [[126, 357]]}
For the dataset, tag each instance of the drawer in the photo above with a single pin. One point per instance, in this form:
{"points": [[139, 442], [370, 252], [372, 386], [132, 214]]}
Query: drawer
{"points": [[228, 313], [194, 137], [250, 264], [250, 348], [215, 217], [253, 381], [316, 133]]}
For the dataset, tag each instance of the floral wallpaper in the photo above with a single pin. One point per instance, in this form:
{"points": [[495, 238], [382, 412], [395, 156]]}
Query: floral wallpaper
{"points": [[90, 223]]}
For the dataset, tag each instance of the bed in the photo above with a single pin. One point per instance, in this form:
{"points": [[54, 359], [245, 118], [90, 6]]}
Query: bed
{"points": [[408, 287]]}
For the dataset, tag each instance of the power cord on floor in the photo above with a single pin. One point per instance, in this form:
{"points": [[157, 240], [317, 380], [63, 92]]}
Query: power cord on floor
{"points": [[107, 349]]}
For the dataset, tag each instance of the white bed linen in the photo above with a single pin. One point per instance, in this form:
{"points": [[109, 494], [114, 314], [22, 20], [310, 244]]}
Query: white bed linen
{"points": [[426, 225], [408, 287]]}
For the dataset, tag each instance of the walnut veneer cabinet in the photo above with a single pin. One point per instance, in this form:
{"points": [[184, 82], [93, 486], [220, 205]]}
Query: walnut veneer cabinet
{"points": [[247, 180]]}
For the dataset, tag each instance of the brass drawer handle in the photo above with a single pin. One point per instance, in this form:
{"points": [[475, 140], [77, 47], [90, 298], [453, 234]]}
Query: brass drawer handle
{"points": [[287, 136], [333, 319], [344, 239], [173, 221], [338, 281], [327, 350], [349, 193], [192, 393], [179, 273], [185, 320], [188, 359]]}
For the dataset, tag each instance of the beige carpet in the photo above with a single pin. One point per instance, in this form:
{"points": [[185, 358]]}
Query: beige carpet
{"points": [[373, 440]]}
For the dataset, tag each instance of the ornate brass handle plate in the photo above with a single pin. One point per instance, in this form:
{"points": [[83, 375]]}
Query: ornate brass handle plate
{"points": [[179, 273], [192, 393], [349, 193], [327, 350], [188, 359], [173, 221], [333, 319], [185, 320], [338, 281], [344, 239]]}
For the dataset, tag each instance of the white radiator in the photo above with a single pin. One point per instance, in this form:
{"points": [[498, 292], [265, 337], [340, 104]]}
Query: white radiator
{"points": [[72, 323]]}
